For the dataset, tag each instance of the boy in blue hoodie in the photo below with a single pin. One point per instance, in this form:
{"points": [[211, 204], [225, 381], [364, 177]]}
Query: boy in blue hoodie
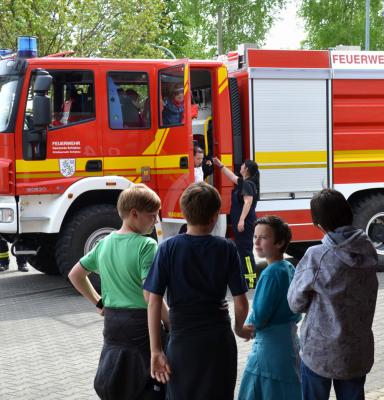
{"points": [[335, 284]]}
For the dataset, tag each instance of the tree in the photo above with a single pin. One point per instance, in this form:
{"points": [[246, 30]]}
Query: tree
{"points": [[113, 28], [243, 21], [341, 22]]}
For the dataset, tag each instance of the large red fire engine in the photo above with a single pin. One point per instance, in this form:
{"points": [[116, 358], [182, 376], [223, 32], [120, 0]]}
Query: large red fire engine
{"points": [[77, 131]]}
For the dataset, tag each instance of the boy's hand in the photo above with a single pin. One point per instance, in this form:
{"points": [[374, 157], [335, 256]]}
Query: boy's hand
{"points": [[246, 332], [160, 369], [216, 161], [240, 225]]}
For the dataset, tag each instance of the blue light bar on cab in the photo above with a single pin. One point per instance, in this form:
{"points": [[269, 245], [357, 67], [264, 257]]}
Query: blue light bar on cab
{"points": [[5, 52], [26, 46]]}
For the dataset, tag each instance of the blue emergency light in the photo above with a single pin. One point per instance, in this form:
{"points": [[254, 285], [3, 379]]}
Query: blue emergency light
{"points": [[5, 52], [26, 46]]}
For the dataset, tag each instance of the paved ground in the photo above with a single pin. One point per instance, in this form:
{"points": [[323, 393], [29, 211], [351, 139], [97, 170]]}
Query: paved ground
{"points": [[51, 339]]}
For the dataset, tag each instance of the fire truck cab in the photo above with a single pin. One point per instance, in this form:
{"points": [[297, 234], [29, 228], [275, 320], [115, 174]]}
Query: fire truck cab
{"points": [[75, 132]]}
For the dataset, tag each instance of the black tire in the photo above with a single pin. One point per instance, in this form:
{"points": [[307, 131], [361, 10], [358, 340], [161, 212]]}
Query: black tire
{"points": [[45, 260], [298, 249], [81, 233], [368, 214]]}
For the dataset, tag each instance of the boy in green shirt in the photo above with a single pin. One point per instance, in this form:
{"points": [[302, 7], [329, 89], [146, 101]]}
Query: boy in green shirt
{"points": [[123, 260]]}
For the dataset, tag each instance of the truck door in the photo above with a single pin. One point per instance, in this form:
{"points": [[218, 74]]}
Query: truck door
{"points": [[290, 136], [147, 135], [173, 143], [72, 142]]}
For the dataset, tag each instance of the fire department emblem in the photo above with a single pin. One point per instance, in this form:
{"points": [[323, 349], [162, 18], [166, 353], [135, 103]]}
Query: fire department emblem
{"points": [[67, 167]]}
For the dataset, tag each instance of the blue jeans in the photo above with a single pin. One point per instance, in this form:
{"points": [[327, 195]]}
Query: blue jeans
{"points": [[316, 387]]}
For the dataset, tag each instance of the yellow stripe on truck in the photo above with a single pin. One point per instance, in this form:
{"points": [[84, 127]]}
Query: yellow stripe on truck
{"points": [[291, 157], [51, 165], [222, 79], [347, 156]]}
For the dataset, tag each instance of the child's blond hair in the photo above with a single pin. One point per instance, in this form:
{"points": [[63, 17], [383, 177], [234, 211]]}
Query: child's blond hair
{"points": [[199, 203], [139, 197]]}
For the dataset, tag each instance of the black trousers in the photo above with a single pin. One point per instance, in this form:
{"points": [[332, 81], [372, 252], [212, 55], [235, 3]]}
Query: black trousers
{"points": [[124, 366], [202, 353]]}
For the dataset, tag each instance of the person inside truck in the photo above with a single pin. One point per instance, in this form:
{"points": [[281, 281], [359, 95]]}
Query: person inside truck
{"points": [[203, 165], [243, 215], [129, 108], [173, 108]]}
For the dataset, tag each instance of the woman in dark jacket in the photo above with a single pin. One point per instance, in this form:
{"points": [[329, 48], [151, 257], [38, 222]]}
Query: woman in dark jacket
{"points": [[243, 215]]}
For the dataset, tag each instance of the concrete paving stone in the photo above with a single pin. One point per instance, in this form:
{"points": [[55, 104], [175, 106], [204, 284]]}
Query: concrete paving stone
{"points": [[52, 338]]}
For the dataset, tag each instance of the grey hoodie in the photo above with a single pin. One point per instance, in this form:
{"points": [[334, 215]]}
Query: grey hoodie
{"points": [[336, 285]]}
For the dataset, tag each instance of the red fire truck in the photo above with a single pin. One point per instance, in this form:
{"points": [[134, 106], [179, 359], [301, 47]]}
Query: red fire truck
{"points": [[77, 131]]}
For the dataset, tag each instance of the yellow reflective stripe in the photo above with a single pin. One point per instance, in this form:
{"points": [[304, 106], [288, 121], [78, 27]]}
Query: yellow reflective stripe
{"points": [[4, 255], [157, 145], [291, 157], [206, 122], [222, 78], [55, 175], [289, 166], [112, 166], [118, 163], [167, 171], [226, 159], [342, 156], [251, 276], [359, 165], [49, 165], [186, 76]]}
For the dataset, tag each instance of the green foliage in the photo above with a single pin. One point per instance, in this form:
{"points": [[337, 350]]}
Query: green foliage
{"points": [[244, 21], [108, 28], [126, 28], [341, 22]]}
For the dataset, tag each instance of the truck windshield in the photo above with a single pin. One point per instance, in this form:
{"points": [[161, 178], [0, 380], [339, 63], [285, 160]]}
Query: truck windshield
{"points": [[11, 77], [8, 90]]}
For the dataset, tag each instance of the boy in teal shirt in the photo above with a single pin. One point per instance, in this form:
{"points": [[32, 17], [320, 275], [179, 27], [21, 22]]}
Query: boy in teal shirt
{"points": [[272, 369], [123, 260]]}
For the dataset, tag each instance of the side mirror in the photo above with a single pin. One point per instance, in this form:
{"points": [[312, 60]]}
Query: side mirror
{"points": [[41, 105], [42, 115], [43, 82]]}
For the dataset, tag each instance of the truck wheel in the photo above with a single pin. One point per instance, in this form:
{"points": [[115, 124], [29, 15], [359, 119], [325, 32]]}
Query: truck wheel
{"points": [[368, 214], [81, 234], [45, 260], [298, 249]]}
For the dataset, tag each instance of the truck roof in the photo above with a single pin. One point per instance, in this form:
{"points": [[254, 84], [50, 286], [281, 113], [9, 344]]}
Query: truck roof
{"points": [[116, 61]]}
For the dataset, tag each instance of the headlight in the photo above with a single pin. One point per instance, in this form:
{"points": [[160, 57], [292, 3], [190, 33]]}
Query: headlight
{"points": [[6, 215]]}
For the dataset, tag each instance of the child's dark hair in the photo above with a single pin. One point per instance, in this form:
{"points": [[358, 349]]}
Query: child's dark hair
{"points": [[197, 149], [330, 209], [281, 230], [254, 174], [199, 202]]}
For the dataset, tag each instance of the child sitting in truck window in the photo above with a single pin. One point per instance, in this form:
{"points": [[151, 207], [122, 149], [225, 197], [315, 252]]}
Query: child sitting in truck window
{"points": [[173, 109]]}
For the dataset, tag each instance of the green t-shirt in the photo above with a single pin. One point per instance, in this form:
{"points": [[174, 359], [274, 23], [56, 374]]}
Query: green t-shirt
{"points": [[123, 262]]}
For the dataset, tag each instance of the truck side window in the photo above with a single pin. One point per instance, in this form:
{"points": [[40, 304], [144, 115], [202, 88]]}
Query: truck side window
{"points": [[128, 100], [72, 97], [171, 97]]}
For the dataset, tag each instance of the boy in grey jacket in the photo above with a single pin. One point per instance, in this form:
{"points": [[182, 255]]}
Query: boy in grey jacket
{"points": [[335, 284]]}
